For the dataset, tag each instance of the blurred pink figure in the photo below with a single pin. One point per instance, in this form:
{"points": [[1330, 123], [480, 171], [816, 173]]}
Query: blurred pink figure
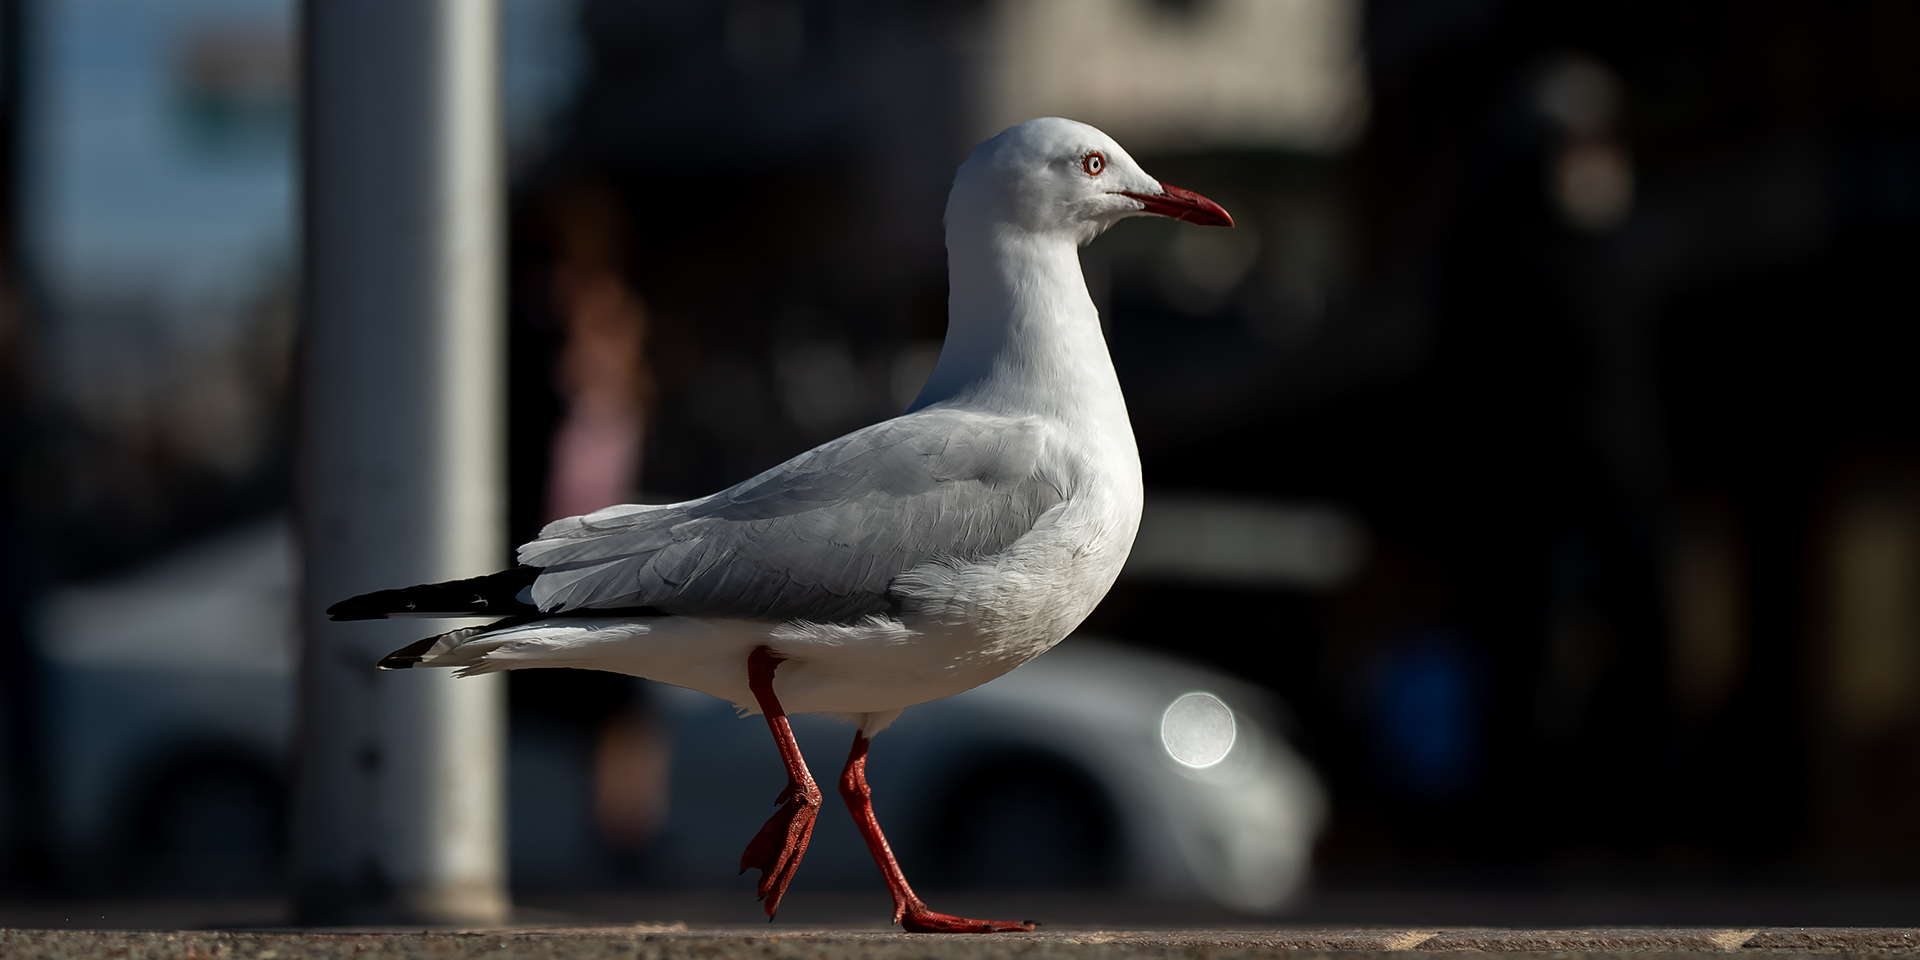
{"points": [[595, 458]]}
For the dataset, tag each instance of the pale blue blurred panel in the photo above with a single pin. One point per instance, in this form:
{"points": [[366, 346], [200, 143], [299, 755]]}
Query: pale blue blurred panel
{"points": [[123, 187]]}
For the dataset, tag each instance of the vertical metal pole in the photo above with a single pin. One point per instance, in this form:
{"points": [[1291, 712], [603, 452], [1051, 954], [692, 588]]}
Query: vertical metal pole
{"points": [[400, 795]]}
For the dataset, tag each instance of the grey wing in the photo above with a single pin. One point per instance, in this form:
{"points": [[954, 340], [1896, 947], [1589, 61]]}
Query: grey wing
{"points": [[820, 537]]}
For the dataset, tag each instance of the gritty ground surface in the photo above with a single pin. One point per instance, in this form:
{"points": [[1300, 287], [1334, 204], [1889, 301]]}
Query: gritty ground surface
{"points": [[1537, 906], [1358, 922], [808, 943]]}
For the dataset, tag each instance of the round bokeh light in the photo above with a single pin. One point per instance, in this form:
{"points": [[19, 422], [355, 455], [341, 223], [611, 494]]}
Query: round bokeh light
{"points": [[1197, 730]]}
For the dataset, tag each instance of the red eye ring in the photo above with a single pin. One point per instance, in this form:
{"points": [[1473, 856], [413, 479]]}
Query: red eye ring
{"points": [[1093, 163]]}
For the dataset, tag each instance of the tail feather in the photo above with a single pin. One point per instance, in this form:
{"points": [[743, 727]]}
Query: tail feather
{"points": [[407, 656], [512, 643], [492, 595], [433, 650]]}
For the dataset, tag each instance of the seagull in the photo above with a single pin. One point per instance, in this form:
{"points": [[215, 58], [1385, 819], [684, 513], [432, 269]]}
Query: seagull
{"points": [[907, 561]]}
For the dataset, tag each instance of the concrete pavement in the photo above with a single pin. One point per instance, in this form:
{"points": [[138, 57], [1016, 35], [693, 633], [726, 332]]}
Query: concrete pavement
{"points": [[661, 942]]}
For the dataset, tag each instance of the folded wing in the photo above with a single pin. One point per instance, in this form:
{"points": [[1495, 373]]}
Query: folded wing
{"points": [[820, 537]]}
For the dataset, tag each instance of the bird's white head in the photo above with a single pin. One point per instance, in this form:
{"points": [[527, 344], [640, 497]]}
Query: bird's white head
{"points": [[1054, 176]]}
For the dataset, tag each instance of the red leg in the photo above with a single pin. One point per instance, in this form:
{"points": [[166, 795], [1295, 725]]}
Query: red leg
{"points": [[776, 849], [908, 911]]}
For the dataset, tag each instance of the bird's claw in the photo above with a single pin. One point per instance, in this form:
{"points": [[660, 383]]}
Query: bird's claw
{"points": [[919, 919], [776, 850]]}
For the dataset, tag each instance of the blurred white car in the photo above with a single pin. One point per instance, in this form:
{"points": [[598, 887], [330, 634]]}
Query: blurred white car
{"points": [[171, 697], [168, 705]]}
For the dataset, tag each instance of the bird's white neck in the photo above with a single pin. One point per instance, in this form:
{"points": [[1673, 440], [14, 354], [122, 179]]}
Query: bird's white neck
{"points": [[1023, 336]]}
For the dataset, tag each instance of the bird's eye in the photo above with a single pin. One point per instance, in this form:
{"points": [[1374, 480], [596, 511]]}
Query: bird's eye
{"points": [[1093, 163]]}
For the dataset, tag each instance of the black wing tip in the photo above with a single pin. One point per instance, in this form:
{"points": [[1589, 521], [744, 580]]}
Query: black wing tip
{"points": [[363, 607], [490, 595]]}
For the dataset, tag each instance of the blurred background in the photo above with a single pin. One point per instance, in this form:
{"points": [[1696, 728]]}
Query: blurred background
{"points": [[1539, 446]]}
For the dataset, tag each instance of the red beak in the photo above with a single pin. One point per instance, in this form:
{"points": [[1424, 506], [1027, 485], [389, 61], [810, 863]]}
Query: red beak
{"points": [[1182, 204]]}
